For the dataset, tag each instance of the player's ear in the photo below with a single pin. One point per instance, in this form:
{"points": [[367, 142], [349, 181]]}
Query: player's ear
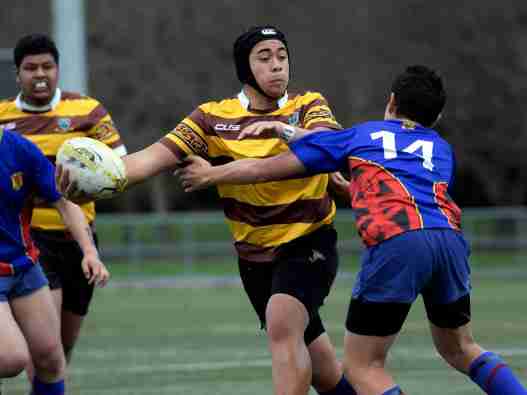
{"points": [[392, 104], [437, 119], [17, 76]]}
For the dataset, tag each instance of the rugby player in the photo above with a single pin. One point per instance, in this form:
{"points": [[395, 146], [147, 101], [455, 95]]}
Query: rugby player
{"points": [[30, 324], [283, 232], [48, 116], [401, 174]]}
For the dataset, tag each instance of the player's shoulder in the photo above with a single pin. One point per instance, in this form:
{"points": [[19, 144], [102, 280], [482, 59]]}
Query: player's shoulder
{"points": [[15, 140], [305, 97], [8, 106], [79, 100], [225, 107]]}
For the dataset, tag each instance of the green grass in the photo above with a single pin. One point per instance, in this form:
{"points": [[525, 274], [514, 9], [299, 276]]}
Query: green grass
{"points": [[228, 266], [202, 341]]}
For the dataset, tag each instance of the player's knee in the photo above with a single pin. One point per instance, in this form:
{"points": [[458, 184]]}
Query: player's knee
{"points": [[279, 331], [49, 358], [13, 363], [286, 318]]}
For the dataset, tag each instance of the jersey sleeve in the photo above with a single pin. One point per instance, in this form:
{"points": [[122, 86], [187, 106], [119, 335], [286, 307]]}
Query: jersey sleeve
{"points": [[189, 137], [318, 114], [105, 130], [41, 171], [324, 152]]}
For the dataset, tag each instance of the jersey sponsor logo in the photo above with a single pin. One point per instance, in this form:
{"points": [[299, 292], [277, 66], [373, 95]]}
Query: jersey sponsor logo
{"points": [[223, 127], [191, 138], [64, 124], [17, 180]]}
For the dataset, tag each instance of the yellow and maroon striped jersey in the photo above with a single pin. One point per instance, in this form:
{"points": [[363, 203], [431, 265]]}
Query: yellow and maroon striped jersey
{"points": [[261, 216], [73, 115]]}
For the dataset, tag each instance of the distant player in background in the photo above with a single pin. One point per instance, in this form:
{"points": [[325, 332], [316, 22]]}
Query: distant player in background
{"points": [[283, 232], [48, 116], [30, 328], [401, 173]]}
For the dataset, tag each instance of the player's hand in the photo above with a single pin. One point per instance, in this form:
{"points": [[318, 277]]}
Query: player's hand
{"points": [[274, 128], [339, 185], [94, 270], [68, 188], [194, 173]]}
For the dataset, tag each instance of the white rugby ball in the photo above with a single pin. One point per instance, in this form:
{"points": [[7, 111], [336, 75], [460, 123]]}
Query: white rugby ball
{"points": [[97, 171]]}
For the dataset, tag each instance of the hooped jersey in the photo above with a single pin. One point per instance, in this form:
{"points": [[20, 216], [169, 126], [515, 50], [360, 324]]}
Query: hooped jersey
{"points": [[24, 173], [73, 115], [261, 217], [400, 175]]}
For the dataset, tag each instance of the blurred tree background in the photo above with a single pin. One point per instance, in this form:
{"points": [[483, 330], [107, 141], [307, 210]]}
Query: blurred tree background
{"points": [[152, 63]]}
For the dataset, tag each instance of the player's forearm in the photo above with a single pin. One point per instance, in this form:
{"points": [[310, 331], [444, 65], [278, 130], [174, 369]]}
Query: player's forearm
{"points": [[76, 223], [254, 171], [149, 162], [295, 133], [244, 171]]}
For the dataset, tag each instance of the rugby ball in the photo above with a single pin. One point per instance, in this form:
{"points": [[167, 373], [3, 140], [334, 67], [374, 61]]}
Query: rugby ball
{"points": [[98, 172]]}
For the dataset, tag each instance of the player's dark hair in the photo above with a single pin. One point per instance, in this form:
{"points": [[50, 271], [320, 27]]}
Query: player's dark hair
{"points": [[243, 46], [34, 44], [419, 94]]}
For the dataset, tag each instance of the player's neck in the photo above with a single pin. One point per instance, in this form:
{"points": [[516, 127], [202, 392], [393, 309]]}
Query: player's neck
{"points": [[259, 102], [27, 104], [401, 119]]}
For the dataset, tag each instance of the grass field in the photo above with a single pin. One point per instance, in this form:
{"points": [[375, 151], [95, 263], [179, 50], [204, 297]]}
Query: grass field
{"points": [[191, 335]]}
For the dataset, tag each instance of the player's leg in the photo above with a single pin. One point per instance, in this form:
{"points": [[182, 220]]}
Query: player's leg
{"points": [[371, 330], [77, 295], [303, 277], [50, 262], [15, 354], [61, 259], [36, 316], [447, 302], [287, 319], [391, 277], [327, 377]]}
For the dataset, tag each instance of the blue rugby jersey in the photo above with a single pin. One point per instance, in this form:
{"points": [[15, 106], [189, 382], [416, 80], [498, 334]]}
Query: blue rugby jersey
{"points": [[400, 175], [24, 173]]}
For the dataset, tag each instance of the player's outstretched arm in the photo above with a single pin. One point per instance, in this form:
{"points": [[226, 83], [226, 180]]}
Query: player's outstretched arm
{"points": [[282, 130], [139, 166], [73, 217], [197, 173], [149, 162]]}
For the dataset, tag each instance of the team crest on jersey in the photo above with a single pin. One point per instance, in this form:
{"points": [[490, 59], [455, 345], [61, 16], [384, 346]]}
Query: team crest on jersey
{"points": [[17, 180], [294, 119], [407, 124], [64, 124]]}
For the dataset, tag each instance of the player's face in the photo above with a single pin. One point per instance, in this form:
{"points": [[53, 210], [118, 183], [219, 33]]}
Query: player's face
{"points": [[37, 77], [270, 66]]}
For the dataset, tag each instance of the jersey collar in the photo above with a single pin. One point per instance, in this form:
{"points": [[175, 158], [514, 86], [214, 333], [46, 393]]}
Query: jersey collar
{"points": [[22, 105], [244, 100]]}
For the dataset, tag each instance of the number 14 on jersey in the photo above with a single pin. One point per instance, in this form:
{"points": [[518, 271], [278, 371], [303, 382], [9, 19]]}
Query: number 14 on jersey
{"points": [[421, 148]]}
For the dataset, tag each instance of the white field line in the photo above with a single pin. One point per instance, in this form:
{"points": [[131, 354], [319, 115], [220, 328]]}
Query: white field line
{"points": [[399, 353]]}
